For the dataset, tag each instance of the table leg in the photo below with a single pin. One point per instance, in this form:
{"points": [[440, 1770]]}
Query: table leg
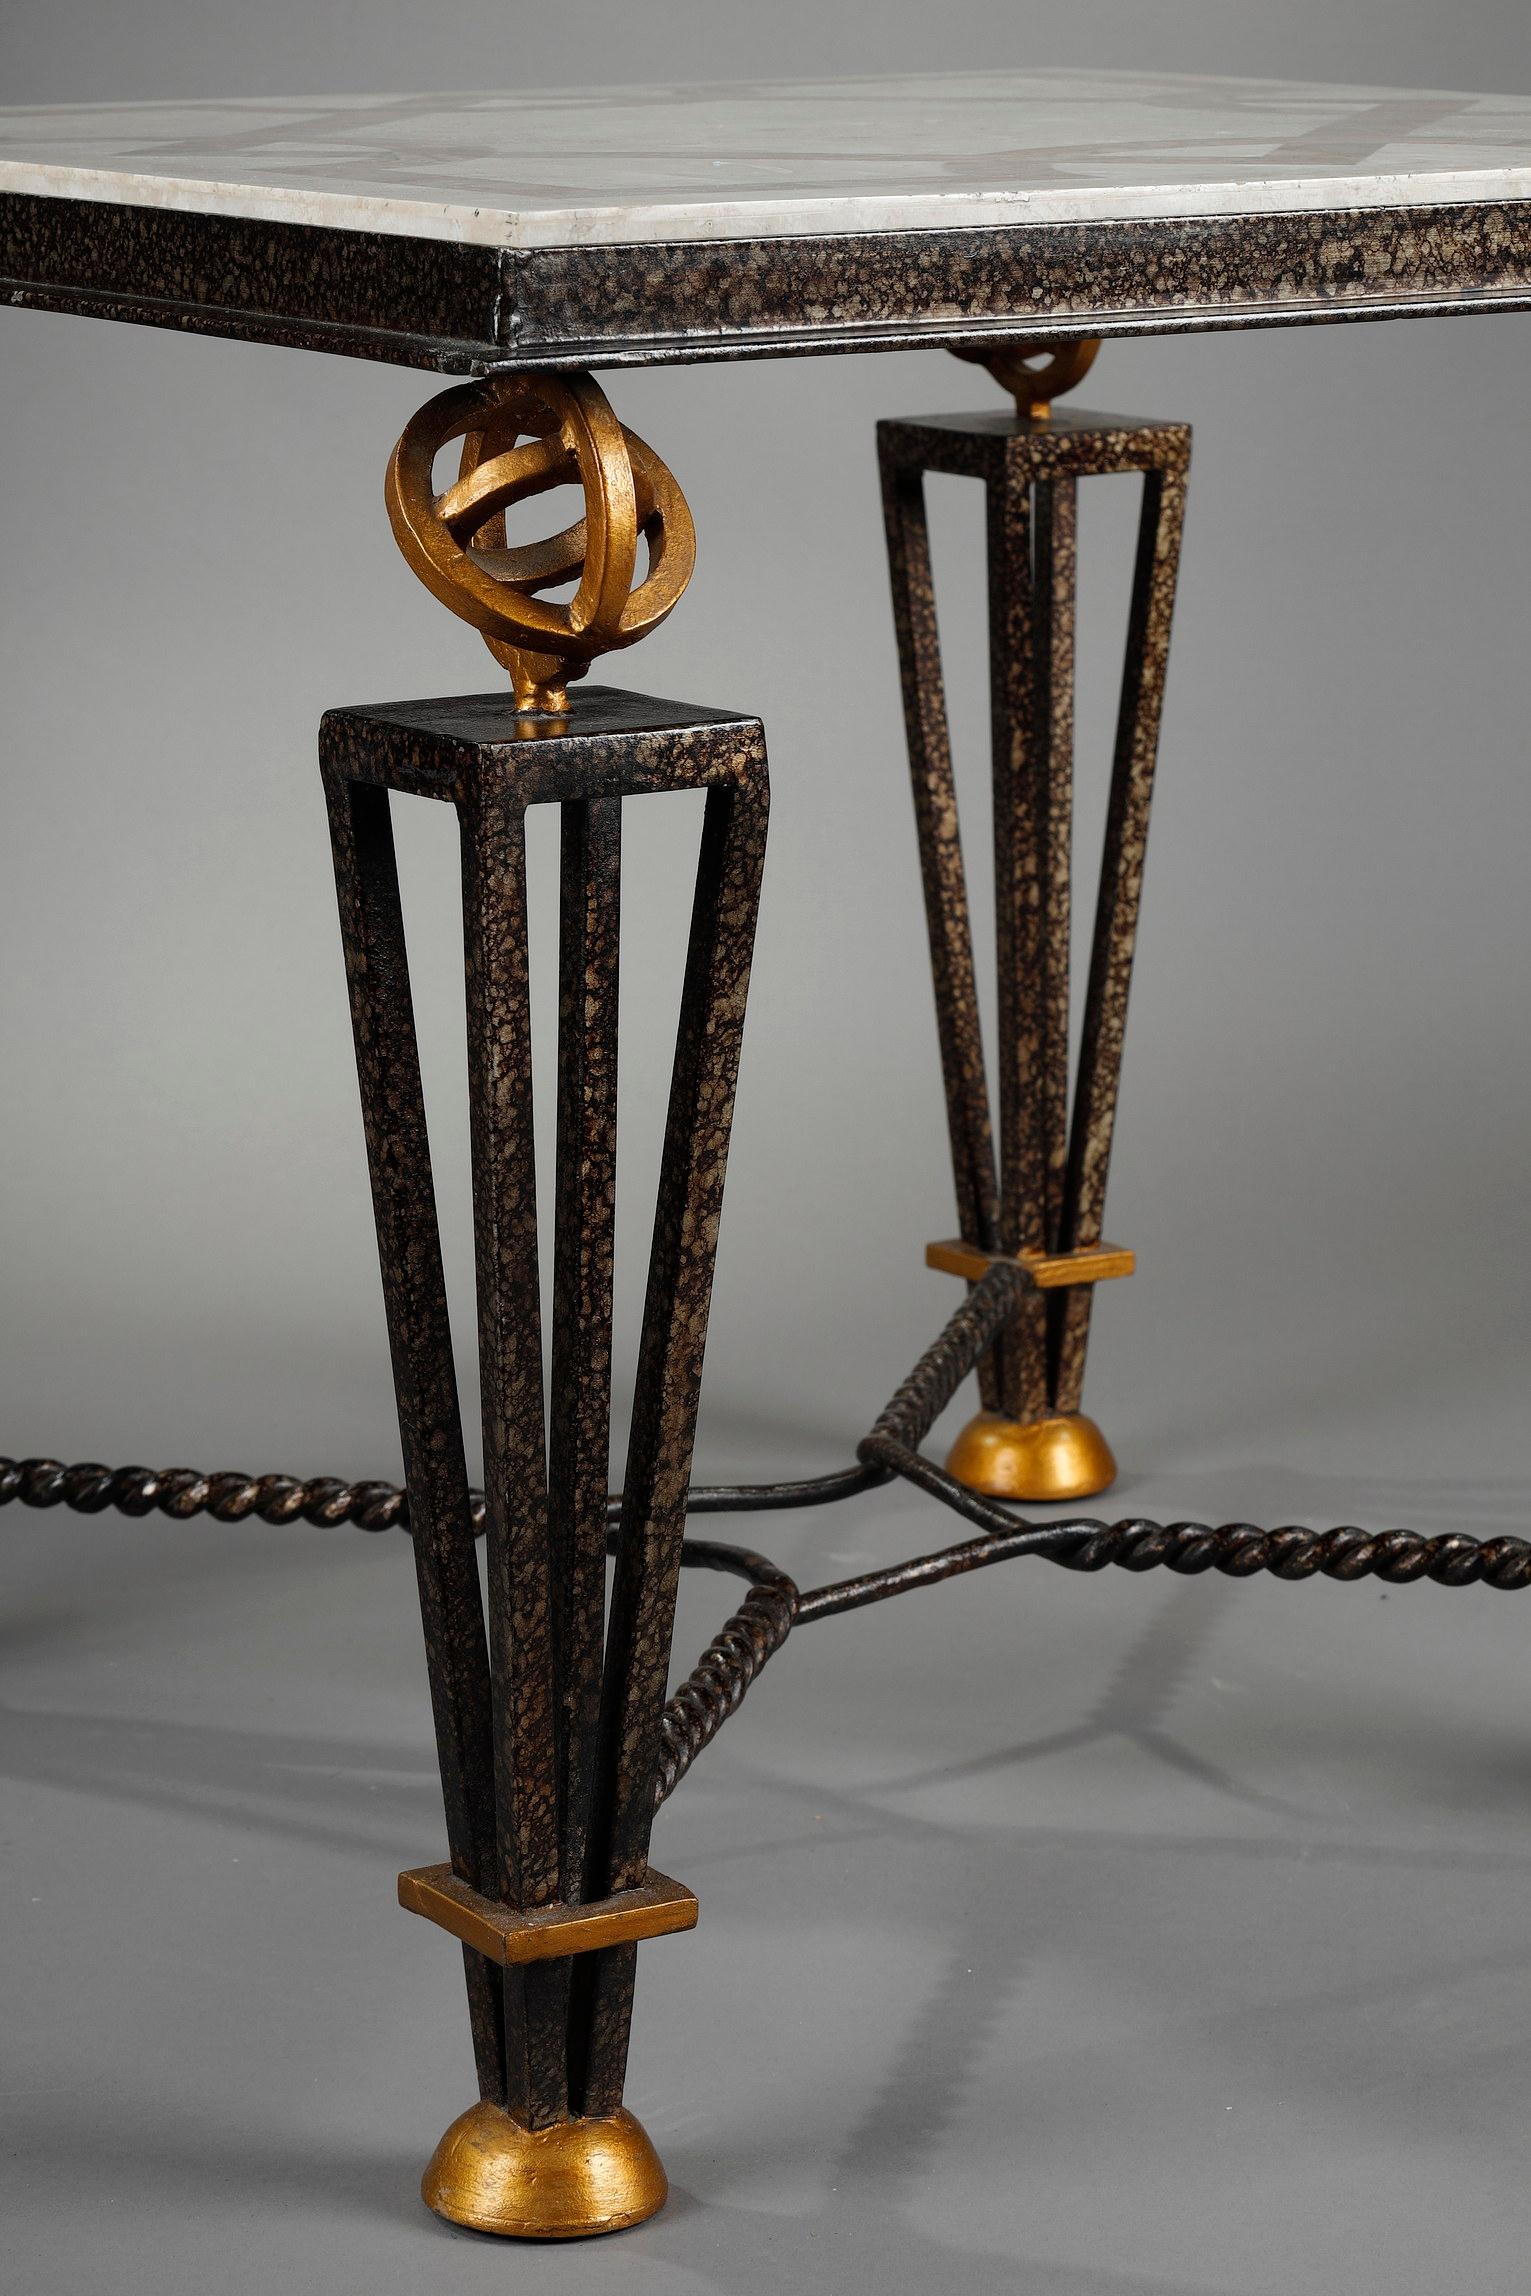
{"points": [[552, 1739], [1042, 1197], [550, 1732]]}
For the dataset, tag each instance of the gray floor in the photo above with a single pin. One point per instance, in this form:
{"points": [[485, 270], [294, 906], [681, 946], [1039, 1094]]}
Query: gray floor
{"points": [[1097, 1938]]}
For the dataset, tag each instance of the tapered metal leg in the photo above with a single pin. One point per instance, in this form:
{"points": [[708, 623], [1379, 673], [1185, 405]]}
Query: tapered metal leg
{"points": [[425, 1376], [658, 1470], [551, 1779], [1043, 1193]]}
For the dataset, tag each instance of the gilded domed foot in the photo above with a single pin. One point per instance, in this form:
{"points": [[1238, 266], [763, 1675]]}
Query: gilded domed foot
{"points": [[1044, 1460], [564, 2183]]}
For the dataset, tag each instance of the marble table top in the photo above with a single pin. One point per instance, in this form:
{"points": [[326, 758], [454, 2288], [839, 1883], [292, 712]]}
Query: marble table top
{"points": [[644, 220], [771, 159]]}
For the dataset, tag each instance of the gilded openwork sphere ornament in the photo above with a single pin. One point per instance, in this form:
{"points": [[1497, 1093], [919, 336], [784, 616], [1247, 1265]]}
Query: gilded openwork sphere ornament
{"points": [[521, 435], [1035, 373]]}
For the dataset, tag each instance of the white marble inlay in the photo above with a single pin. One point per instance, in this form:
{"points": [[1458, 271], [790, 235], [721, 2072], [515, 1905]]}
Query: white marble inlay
{"points": [[563, 167]]}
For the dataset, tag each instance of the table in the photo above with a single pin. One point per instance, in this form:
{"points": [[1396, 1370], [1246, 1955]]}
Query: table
{"points": [[517, 242]]}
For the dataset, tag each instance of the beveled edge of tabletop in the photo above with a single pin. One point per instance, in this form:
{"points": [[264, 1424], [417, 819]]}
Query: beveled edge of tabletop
{"points": [[467, 309]]}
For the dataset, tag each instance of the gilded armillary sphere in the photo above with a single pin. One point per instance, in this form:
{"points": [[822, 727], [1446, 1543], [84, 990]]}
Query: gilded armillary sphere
{"points": [[521, 435], [1034, 373]]}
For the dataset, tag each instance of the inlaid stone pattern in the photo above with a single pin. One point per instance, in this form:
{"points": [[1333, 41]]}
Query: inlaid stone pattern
{"points": [[568, 168]]}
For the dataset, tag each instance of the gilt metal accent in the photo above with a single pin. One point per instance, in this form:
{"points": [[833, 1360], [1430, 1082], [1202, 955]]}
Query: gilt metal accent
{"points": [[1034, 373], [658, 1907], [521, 435]]}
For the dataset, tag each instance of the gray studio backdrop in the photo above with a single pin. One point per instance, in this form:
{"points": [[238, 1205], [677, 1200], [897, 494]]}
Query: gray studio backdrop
{"points": [[1327, 1096]]}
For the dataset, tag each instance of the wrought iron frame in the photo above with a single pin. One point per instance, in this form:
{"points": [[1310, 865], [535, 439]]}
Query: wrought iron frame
{"points": [[556, 1739]]}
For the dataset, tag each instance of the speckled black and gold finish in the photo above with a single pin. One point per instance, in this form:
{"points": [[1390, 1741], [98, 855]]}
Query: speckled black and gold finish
{"points": [[902, 289], [1045, 1191], [468, 309], [551, 1735]]}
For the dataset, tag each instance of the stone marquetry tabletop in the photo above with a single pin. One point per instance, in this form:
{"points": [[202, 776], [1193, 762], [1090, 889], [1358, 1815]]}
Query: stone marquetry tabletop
{"points": [[625, 225]]}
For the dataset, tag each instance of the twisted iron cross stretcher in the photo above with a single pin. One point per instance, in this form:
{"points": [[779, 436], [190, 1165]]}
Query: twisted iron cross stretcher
{"points": [[557, 1737], [774, 1605]]}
